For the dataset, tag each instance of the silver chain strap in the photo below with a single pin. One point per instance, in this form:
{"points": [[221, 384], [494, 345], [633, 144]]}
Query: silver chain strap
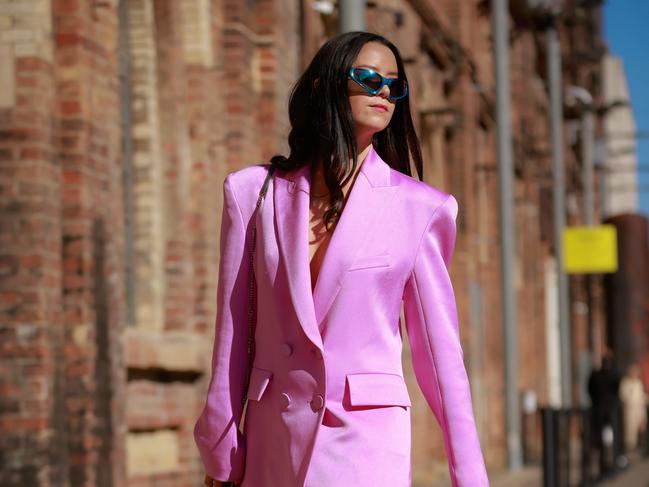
{"points": [[252, 288]]}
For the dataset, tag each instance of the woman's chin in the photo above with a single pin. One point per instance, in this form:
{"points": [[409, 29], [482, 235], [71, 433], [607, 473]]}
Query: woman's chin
{"points": [[371, 126]]}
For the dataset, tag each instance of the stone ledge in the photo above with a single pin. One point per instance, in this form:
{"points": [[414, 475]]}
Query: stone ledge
{"points": [[171, 350], [152, 452], [153, 406]]}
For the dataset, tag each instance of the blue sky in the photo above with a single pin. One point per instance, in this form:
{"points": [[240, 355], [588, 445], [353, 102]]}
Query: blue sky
{"points": [[627, 33]]}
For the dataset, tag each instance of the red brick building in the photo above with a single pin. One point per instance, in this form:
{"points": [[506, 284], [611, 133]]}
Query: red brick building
{"points": [[119, 121]]}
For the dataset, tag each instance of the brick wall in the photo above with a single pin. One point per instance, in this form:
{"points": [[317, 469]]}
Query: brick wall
{"points": [[31, 320], [88, 147], [62, 246], [111, 197]]}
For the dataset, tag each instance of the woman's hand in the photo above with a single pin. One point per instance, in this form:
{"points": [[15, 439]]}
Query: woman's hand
{"points": [[210, 482]]}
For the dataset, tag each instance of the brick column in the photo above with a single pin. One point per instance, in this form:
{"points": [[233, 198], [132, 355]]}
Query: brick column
{"points": [[176, 160], [31, 333], [201, 24], [180, 164], [241, 83], [89, 149], [148, 168], [278, 54]]}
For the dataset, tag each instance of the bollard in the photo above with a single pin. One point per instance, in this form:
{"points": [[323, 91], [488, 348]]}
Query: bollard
{"points": [[645, 437], [549, 448], [556, 447], [563, 451], [586, 448]]}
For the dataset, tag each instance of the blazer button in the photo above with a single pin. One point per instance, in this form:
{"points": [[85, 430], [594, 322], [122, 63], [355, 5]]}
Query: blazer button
{"points": [[287, 350], [317, 402], [284, 400]]}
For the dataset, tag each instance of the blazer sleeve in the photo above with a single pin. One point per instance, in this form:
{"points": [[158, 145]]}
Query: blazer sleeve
{"points": [[437, 357], [216, 433]]}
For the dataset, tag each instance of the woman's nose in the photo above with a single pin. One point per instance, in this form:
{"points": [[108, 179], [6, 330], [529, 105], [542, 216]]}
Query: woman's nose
{"points": [[385, 91]]}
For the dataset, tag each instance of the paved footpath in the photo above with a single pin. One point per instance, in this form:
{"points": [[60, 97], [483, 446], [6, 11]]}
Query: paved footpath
{"points": [[528, 477], [637, 475]]}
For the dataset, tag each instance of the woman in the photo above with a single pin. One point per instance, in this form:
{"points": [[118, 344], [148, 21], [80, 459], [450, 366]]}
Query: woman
{"points": [[344, 235], [634, 407]]}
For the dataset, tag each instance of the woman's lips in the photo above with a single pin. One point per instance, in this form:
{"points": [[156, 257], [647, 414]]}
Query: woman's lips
{"points": [[381, 108]]}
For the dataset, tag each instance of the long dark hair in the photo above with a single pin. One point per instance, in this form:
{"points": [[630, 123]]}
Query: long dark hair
{"points": [[322, 128]]}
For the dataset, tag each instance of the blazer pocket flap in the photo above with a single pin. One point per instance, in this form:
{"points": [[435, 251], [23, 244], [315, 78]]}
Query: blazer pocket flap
{"points": [[259, 380], [369, 261], [377, 389]]}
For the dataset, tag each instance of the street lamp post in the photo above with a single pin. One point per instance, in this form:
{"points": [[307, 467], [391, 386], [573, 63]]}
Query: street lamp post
{"points": [[585, 101], [351, 15], [559, 203], [500, 30]]}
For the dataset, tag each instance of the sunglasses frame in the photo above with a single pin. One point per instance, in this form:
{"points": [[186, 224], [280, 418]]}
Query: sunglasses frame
{"points": [[384, 81]]}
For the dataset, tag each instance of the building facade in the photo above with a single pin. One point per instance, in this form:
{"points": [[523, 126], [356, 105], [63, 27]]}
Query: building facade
{"points": [[118, 123], [619, 157]]}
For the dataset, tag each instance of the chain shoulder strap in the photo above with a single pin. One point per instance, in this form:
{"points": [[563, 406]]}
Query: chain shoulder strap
{"points": [[251, 301], [252, 288]]}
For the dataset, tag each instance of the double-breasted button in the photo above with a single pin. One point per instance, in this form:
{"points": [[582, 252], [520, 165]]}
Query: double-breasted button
{"points": [[287, 349], [317, 402], [284, 400]]}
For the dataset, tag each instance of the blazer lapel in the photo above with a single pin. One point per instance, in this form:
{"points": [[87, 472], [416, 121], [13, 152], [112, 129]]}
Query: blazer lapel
{"points": [[291, 202], [369, 198], [367, 201]]}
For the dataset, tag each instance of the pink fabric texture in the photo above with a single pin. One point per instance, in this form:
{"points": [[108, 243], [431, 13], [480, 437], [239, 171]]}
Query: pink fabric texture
{"points": [[328, 405]]}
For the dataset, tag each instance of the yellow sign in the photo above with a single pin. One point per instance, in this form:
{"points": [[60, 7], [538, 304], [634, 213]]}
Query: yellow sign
{"points": [[590, 250]]}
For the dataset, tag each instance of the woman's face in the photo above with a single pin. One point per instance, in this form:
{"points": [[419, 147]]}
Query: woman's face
{"points": [[372, 113]]}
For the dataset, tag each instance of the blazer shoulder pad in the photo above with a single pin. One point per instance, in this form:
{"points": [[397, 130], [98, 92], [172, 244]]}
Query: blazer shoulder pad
{"points": [[246, 183], [419, 194]]}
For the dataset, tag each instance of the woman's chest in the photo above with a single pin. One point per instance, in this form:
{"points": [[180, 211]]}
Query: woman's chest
{"points": [[376, 241], [318, 240]]}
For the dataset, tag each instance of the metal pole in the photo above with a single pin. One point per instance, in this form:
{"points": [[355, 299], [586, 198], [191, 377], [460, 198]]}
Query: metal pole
{"points": [[500, 29], [585, 99], [558, 176], [587, 160], [128, 174], [587, 152], [351, 15], [603, 189]]}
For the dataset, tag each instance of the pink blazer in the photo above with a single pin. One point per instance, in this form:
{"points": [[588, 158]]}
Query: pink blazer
{"points": [[328, 405]]}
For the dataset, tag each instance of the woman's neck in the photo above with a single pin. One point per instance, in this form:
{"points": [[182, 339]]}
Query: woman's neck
{"points": [[318, 184]]}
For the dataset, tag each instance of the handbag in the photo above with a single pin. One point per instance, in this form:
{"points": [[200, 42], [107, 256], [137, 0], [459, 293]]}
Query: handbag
{"points": [[252, 291]]}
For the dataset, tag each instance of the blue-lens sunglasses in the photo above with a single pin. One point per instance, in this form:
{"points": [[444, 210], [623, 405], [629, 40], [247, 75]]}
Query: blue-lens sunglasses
{"points": [[373, 82]]}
